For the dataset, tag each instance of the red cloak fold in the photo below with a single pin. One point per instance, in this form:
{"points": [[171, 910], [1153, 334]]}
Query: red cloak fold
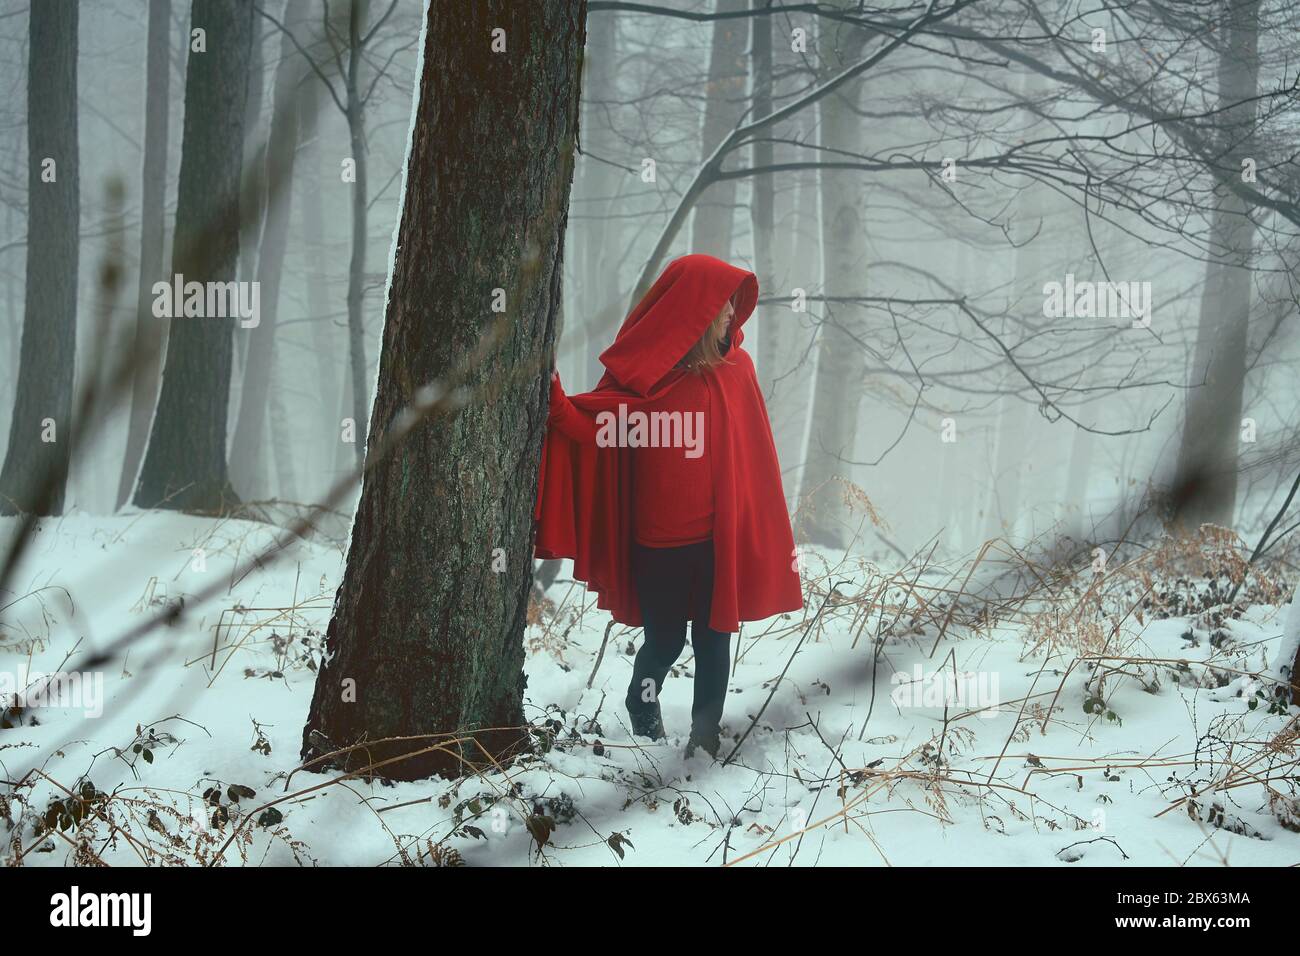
{"points": [[584, 492]]}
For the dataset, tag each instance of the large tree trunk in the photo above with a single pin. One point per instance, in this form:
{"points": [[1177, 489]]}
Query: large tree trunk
{"points": [[247, 447], [1205, 486], [841, 367], [150, 332], [711, 226], [185, 465], [426, 636], [35, 473]]}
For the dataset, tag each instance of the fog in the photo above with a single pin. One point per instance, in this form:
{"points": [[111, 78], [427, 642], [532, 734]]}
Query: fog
{"points": [[282, 285], [956, 176]]}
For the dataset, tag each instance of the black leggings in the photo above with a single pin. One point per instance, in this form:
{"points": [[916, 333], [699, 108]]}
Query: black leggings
{"points": [[675, 585]]}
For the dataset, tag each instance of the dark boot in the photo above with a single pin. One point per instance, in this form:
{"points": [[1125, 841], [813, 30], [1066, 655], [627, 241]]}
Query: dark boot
{"points": [[710, 743], [647, 720], [712, 655]]}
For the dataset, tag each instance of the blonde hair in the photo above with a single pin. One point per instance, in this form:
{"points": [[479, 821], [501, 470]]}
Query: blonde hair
{"points": [[707, 352]]}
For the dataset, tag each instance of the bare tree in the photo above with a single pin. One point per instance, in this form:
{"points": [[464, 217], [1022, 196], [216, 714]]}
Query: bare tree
{"points": [[426, 636], [185, 464], [724, 105], [1206, 480], [150, 331], [35, 474], [841, 366], [255, 398]]}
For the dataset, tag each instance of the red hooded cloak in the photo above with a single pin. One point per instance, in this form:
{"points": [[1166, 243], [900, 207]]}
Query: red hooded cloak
{"points": [[584, 492]]}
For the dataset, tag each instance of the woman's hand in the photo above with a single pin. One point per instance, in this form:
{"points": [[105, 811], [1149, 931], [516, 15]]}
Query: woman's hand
{"points": [[558, 398], [568, 419]]}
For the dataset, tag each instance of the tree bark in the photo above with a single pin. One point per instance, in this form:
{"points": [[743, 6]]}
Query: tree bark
{"points": [[150, 332], [185, 465], [426, 636], [35, 474]]}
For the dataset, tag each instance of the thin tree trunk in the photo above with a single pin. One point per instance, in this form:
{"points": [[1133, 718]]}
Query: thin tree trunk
{"points": [[714, 215], [14, 329], [427, 631], [790, 412], [357, 262], [841, 368], [185, 464], [954, 499], [1077, 474], [1006, 513], [600, 184], [950, 486], [762, 205], [247, 447], [150, 332], [251, 471], [331, 381], [282, 442], [252, 193], [1206, 479], [35, 474]]}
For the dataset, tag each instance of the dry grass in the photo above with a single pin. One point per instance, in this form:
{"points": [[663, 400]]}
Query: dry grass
{"points": [[1081, 625]]}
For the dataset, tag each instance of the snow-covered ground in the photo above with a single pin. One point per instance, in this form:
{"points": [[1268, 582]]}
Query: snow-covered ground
{"points": [[848, 765]]}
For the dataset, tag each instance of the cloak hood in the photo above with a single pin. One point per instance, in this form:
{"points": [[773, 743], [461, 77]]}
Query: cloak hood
{"points": [[584, 508], [672, 316]]}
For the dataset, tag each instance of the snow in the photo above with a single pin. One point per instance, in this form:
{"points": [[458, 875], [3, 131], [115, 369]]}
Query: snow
{"points": [[1094, 789]]}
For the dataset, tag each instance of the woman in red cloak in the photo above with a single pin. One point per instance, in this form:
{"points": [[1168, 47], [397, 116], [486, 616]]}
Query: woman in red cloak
{"points": [[664, 488]]}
